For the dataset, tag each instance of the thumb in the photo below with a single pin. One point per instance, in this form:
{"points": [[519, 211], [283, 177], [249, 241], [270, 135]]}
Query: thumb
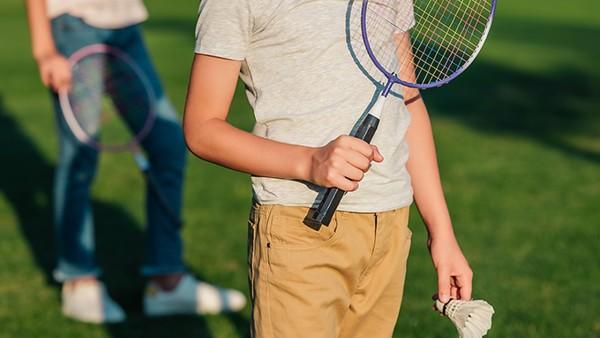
{"points": [[443, 285], [377, 157]]}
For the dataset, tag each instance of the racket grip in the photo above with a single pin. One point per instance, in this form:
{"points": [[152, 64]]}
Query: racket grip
{"points": [[333, 196]]}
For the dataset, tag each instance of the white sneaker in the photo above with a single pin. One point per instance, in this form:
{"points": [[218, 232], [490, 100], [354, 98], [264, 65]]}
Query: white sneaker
{"points": [[191, 297], [89, 302]]}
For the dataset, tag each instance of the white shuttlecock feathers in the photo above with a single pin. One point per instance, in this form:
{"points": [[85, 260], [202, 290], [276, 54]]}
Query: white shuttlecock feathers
{"points": [[472, 318]]}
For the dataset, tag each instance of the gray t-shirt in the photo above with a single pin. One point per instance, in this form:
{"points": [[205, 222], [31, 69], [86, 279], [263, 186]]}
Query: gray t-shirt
{"points": [[306, 87]]}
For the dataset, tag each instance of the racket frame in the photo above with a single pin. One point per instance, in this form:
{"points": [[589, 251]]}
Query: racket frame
{"points": [[438, 83], [326, 208], [133, 146]]}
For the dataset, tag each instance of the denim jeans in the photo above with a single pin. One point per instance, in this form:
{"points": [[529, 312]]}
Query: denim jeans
{"points": [[77, 164]]}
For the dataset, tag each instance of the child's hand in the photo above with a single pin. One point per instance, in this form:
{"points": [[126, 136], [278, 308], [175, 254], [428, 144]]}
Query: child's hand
{"points": [[55, 72], [454, 274], [342, 163]]}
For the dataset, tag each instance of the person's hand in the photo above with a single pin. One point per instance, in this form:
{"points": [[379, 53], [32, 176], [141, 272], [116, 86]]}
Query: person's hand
{"points": [[342, 163], [454, 274], [55, 72]]}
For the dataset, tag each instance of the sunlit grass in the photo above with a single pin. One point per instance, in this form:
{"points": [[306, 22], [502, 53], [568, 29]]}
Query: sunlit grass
{"points": [[520, 161]]}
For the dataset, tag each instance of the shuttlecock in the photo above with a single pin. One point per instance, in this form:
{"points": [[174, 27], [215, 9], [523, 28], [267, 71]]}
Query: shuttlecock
{"points": [[472, 318]]}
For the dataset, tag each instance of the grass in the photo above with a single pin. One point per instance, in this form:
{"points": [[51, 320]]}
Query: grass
{"points": [[519, 145]]}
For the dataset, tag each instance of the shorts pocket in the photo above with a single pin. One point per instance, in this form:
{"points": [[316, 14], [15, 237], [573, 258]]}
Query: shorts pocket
{"points": [[295, 232]]}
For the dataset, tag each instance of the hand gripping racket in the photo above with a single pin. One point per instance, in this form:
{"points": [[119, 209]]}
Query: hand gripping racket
{"points": [[111, 107], [418, 44]]}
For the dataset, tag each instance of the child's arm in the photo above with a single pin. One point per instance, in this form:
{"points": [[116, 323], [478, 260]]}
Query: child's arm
{"points": [[54, 68], [454, 274], [341, 163]]}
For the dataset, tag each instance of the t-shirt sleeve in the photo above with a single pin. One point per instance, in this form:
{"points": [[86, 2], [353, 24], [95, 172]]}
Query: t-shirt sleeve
{"points": [[223, 28], [405, 18]]}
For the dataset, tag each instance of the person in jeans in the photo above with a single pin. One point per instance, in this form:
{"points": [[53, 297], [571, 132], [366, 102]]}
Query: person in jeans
{"points": [[58, 29]]}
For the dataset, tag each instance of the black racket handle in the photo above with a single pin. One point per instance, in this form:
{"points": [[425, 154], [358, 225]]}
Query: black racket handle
{"points": [[333, 196]]}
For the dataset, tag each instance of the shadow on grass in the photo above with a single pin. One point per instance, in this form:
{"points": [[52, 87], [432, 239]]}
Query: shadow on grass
{"points": [[26, 183], [551, 109]]}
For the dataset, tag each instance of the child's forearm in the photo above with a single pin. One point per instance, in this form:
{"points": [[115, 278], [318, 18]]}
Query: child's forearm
{"points": [[423, 168], [217, 141], [42, 43], [208, 134], [341, 163]]}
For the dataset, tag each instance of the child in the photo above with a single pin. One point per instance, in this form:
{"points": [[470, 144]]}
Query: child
{"points": [[345, 279], [58, 29]]}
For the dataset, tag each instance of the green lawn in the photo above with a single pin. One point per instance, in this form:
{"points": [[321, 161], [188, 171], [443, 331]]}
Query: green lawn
{"points": [[519, 143]]}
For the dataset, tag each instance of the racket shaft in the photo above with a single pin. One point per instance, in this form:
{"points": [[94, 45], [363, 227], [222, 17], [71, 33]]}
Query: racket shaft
{"points": [[328, 205]]}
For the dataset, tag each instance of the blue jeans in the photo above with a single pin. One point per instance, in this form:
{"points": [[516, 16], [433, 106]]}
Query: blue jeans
{"points": [[77, 166]]}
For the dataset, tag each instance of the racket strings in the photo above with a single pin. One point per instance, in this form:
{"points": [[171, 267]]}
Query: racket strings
{"points": [[87, 85], [445, 37], [427, 54], [358, 48], [452, 19], [109, 102], [383, 21]]}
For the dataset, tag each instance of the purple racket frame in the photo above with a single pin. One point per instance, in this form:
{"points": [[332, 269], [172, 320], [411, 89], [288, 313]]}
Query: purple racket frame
{"points": [[393, 79], [69, 115], [366, 130], [134, 144]]}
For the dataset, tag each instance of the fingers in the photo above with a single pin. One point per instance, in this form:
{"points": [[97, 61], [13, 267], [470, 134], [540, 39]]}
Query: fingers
{"points": [[61, 78], [362, 162], [453, 289], [457, 286], [343, 176], [63, 81], [358, 157], [343, 163], [55, 73], [341, 182], [357, 145], [369, 151], [377, 157], [464, 284], [444, 285], [357, 160]]}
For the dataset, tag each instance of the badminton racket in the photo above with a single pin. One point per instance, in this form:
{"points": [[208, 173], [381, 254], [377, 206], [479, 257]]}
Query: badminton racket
{"points": [[111, 107], [415, 43]]}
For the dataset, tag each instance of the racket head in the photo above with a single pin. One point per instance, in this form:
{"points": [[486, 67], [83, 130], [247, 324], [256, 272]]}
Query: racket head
{"points": [[111, 105], [424, 43]]}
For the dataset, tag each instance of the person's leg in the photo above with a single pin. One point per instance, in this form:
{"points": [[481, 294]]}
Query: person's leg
{"points": [[83, 296], [75, 172], [376, 300], [166, 152], [302, 277], [170, 289]]}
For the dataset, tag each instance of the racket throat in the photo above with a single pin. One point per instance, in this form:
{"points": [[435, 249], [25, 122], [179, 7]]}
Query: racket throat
{"points": [[377, 109]]}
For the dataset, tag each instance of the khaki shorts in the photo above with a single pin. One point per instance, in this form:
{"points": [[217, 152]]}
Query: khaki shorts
{"points": [[343, 280]]}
